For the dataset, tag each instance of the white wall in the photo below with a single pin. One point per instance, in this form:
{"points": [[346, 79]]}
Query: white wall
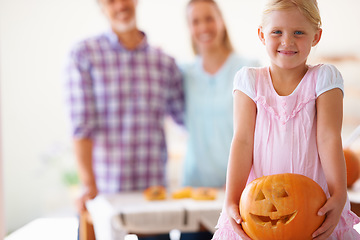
{"points": [[34, 37], [2, 217]]}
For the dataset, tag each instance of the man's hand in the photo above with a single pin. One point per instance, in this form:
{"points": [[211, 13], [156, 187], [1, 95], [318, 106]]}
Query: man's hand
{"points": [[89, 192]]}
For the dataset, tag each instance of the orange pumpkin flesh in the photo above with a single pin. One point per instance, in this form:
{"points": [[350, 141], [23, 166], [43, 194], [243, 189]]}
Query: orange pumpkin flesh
{"points": [[281, 206], [352, 166]]}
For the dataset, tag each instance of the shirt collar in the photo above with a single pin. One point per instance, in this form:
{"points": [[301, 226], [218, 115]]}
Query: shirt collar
{"points": [[114, 41]]}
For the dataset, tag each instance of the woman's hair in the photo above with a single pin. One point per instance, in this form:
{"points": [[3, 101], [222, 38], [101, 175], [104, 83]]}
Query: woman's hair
{"points": [[226, 40], [309, 8]]}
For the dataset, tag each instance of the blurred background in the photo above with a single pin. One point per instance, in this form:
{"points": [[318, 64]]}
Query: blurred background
{"points": [[38, 169]]}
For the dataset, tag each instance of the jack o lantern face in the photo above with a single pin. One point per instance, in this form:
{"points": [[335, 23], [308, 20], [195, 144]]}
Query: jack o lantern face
{"points": [[282, 206], [272, 207]]}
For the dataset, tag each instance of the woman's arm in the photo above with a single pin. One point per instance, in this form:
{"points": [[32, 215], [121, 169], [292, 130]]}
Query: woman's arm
{"points": [[329, 107], [241, 156]]}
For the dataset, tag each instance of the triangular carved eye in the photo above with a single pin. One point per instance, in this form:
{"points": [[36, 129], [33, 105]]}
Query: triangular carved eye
{"points": [[281, 193], [260, 196]]}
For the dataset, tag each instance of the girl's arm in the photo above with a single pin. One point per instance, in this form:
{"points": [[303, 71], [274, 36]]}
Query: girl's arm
{"points": [[329, 107], [241, 156]]}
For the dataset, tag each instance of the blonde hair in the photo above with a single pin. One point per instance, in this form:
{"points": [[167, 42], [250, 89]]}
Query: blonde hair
{"points": [[309, 8], [226, 40]]}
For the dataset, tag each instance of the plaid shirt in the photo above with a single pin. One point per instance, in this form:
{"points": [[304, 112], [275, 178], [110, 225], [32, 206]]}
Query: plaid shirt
{"points": [[119, 99]]}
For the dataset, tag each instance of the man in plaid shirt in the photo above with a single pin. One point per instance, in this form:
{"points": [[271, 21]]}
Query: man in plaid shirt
{"points": [[119, 89]]}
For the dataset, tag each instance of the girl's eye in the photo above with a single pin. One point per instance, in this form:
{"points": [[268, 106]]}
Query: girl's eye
{"points": [[298, 33], [276, 32]]}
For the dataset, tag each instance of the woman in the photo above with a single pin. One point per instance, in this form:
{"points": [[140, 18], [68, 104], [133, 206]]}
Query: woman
{"points": [[208, 93]]}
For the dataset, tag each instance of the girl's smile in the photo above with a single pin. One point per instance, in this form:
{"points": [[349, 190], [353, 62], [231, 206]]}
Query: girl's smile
{"points": [[287, 53]]}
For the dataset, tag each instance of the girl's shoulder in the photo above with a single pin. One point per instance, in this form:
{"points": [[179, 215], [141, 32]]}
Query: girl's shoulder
{"points": [[326, 69], [328, 77], [250, 74], [245, 80], [246, 70]]}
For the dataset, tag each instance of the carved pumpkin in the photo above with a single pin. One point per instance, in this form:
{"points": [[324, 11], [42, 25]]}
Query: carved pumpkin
{"points": [[352, 166], [281, 206]]}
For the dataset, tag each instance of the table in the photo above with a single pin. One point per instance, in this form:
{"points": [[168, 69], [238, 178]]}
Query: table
{"points": [[116, 215], [47, 228]]}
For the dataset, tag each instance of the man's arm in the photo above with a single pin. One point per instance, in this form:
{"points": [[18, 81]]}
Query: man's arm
{"points": [[82, 111], [176, 98], [83, 154]]}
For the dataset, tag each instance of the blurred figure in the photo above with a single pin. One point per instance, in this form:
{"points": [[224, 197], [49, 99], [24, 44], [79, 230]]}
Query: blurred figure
{"points": [[119, 91], [208, 95]]}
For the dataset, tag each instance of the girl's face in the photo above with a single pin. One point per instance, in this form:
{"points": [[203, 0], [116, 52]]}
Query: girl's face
{"points": [[288, 36], [120, 13], [206, 25]]}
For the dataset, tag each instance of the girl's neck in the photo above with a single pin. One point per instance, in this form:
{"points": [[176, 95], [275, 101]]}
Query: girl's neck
{"points": [[213, 60], [285, 81]]}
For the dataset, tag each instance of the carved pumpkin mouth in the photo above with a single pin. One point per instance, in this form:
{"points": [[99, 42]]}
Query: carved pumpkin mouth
{"points": [[263, 220]]}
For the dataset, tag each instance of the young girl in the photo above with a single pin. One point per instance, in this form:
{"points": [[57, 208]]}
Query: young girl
{"points": [[287, 119]]}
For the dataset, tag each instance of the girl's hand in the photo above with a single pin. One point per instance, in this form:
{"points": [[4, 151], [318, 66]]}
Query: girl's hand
{"points": [[235, 220], [332, 209]]}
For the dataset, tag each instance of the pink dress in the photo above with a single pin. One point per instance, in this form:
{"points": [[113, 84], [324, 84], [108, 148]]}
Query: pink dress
{"points": [[285, 135]]}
